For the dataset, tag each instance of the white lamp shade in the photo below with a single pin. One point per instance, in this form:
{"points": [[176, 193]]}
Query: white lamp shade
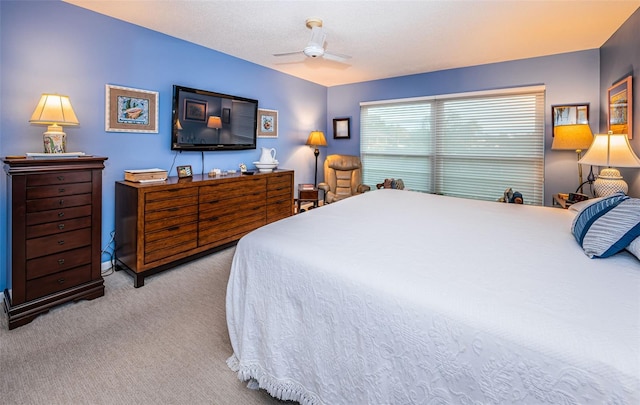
{"points": [[610, 150], [54, 109]]}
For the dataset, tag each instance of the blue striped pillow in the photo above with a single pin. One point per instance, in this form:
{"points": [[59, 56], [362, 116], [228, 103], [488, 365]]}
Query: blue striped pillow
{"points": [[608, 226]]}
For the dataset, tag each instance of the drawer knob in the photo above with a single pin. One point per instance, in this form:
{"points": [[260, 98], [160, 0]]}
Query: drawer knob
{"points": [[60, 226], [61, 281], [60, 214], [61, 242], [60, 178], [61, 261], [61, 190], [61, 202]]}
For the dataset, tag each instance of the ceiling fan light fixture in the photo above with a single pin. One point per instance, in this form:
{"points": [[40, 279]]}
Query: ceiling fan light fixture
{"points": [[313, 51]]}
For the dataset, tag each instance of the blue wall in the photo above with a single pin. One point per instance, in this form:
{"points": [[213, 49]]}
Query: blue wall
{"points": [[619, 58], [51, 46]]}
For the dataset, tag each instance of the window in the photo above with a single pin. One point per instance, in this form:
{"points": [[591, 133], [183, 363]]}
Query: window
{"points": [[467, 145]]}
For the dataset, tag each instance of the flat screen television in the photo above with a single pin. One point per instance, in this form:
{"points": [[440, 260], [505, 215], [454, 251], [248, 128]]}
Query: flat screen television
{"points": [[206, 121]]}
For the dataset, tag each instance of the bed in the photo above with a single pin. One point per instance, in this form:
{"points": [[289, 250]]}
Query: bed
{"points": [[400, 297]]}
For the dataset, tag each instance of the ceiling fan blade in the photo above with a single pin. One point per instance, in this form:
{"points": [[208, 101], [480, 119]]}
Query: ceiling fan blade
{"points": [[287, 53], [336, 57]]}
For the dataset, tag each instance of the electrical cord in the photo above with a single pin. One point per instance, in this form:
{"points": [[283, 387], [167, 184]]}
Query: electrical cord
{"points": [[173, 163], [111, 252], [590, 179]]}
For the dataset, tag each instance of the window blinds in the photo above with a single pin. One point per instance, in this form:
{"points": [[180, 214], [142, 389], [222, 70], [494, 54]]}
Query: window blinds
{"points": [[472, 146]]}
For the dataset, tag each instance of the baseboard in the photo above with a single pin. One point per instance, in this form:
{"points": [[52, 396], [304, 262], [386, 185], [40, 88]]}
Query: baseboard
{"points": [[104, 266]]}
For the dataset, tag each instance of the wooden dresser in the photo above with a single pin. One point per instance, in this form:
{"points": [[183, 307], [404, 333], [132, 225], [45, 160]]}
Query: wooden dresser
{"points": [[161, 225], [54, 221]]}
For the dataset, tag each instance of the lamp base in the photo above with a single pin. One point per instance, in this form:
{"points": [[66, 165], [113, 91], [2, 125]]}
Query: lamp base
{"points": [[55, 141], [609, 182]]}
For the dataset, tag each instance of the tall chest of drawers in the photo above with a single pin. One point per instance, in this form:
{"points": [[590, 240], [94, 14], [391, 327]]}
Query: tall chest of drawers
{"points": [[54, 239]]}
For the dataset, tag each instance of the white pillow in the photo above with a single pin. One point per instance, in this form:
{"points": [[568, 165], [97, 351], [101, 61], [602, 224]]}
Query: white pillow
{"points": [[579, 206], [634, 247]]}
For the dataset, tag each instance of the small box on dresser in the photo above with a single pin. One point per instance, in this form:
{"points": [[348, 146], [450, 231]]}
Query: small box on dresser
{"points": [[54, 234]]}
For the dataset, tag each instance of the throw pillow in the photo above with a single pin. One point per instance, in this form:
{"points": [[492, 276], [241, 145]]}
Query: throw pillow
{"points": [[608, 226], [634, 247]]}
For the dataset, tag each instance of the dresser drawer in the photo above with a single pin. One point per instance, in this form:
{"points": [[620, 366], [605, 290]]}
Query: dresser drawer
{"points": [[34, 218], [169, 246], [223, 191], [55, 263], [235, 204], [170, 233], [170, 194], [52, 283], [166, 223], [279, 181], [47, 245], [51, 228], [173, 204], [52, 203], [58, 190], [173, 212], [58, 178]]}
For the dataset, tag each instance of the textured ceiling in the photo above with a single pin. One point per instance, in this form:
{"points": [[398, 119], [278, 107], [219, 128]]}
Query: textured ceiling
{"points": [[384, 38]]}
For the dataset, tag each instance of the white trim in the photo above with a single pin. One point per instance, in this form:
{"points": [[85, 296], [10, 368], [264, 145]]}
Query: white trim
{"points": [[510, 90]]}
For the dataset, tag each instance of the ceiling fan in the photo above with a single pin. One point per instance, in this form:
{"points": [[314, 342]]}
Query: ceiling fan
{"points": [[315, 47]]}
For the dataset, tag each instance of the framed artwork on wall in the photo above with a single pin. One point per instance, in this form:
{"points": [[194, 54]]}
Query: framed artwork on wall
{"points": [[130, 110], [267, 123], [341, 128], [195, 110], [620, 108], [569, 114]]}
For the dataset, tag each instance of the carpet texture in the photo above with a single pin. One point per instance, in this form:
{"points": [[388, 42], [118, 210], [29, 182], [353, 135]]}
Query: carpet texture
{"points": [[164, 343]]}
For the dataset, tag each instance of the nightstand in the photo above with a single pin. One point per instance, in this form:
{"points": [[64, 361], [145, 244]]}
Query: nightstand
{"points": [[560, 202], [305, 193]]}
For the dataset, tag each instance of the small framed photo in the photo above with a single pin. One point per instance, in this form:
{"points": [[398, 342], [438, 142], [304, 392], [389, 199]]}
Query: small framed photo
{"points": [[226, 115], [620, 111], [267, 123], [195, 110], [569, 114], [341, 128], [184, 171], [130, 110]]}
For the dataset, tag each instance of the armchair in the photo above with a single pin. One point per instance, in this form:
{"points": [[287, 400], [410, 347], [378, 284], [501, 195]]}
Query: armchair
{"points": [[342, 178]]}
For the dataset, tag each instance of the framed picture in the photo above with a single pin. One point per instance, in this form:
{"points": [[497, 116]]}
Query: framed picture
{"points": [[569, 114], [226, 115], [184, 171], [620, 111], [130, 110], [195, 110], [267, 123], [341, 128]]}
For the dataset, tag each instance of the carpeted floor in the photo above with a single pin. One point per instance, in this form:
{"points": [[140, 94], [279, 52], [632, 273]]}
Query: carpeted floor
{"points": [[164, 343]]}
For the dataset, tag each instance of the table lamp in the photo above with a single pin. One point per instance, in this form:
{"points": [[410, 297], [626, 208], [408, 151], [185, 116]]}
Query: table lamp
{"points": [[610, 150], [54, 110], [573, 137], [316, 139]]}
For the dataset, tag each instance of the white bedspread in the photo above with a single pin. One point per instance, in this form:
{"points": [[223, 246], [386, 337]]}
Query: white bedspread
{"points": [[397, 297]]}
